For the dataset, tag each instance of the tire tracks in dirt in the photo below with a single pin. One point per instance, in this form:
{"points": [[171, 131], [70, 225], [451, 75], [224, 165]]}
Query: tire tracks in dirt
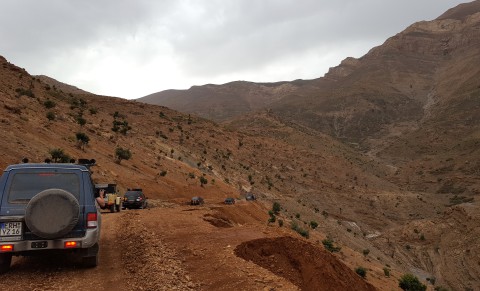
{"points": [[61, 272], [147, 261]]}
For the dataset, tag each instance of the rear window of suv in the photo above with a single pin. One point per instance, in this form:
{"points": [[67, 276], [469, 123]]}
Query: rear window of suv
{"points": [[24, 186], [133, 194]]}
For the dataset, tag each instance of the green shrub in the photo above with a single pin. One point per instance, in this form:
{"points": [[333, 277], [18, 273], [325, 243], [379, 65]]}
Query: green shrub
{"points": [[59, 156], [49, 104], [313, 224], [272, 219], [328, 244], [25, 92], [386, 272], [361, 271], [82, 139], [50, 115], [82, 121], [122, 154], [203, 181], [299, 230], [276, 207], [411, 283], [163, 173], [280, 222], [365, 252]]}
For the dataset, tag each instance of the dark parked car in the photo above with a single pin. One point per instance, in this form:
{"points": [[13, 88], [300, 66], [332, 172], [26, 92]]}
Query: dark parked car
{"points": [[48, 208], [134, 198], [196, 200], [229, 201]]}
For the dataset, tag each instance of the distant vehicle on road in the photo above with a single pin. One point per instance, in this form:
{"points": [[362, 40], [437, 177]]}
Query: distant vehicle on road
{"points": [[134, 198], [250, 197], [229, 201], [197, 200]]}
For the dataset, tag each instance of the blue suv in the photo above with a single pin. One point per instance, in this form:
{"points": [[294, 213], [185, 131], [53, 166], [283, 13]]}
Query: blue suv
{"points": [[48, 208]]}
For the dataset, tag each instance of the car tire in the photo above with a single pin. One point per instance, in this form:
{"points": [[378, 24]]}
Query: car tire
{"points": [[90, 256], [5, 261], [52, 213]]}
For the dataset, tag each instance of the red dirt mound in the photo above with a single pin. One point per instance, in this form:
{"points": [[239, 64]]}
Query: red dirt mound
{"points": [[303, 264]]}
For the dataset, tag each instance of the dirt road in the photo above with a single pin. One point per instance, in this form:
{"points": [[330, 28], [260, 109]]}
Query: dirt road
{"points": [[172, 247]]}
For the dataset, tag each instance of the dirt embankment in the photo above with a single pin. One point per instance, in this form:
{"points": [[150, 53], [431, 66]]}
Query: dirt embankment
{"points": [[302, 264]]}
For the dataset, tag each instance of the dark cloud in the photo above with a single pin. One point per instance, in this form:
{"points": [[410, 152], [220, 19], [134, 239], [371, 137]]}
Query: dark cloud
{"points": [[156, 45]]}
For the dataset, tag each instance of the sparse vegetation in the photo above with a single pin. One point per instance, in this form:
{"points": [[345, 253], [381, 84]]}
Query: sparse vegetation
{"points": [[49, 104], [361, 271], [299, 230], [59, 156], [365, 252], [272, 218], [82, 139], [120, 126], [163, 173], [459, 200], [386, 272], [82, 121], [276, 208], [329, 245], [203, 181], [313, 224], [24, 92], [50, 115], [122, 154], [410, 282]]}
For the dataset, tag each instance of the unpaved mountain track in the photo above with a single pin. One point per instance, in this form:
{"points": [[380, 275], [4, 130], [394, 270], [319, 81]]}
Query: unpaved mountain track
{"points": [[131, 258], [65, 273], [172, 247]]}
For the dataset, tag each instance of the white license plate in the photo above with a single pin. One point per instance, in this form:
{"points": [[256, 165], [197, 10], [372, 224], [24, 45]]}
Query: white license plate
{"points": [[11, 228]]}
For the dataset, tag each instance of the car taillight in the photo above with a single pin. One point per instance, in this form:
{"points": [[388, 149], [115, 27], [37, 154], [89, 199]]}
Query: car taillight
{"points": [[71, 244], [92, 221], [6, 248]]}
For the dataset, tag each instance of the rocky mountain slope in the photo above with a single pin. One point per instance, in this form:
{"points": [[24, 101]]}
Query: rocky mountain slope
{"points": [[411, 105], [174, 157]]}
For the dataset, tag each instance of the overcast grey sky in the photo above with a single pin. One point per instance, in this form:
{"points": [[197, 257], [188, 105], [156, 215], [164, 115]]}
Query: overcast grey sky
{"points": [[132, 48]]}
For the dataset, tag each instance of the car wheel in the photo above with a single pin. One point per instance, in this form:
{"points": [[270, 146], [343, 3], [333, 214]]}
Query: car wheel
{"points": [[5, 261], [52, 213], [90, 256]]}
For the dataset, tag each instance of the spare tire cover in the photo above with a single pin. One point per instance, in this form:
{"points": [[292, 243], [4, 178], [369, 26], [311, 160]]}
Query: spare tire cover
{"points": [[52, 213]]}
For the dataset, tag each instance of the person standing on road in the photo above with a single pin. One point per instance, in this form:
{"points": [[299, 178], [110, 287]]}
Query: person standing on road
{"points": [[100, 199]]}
